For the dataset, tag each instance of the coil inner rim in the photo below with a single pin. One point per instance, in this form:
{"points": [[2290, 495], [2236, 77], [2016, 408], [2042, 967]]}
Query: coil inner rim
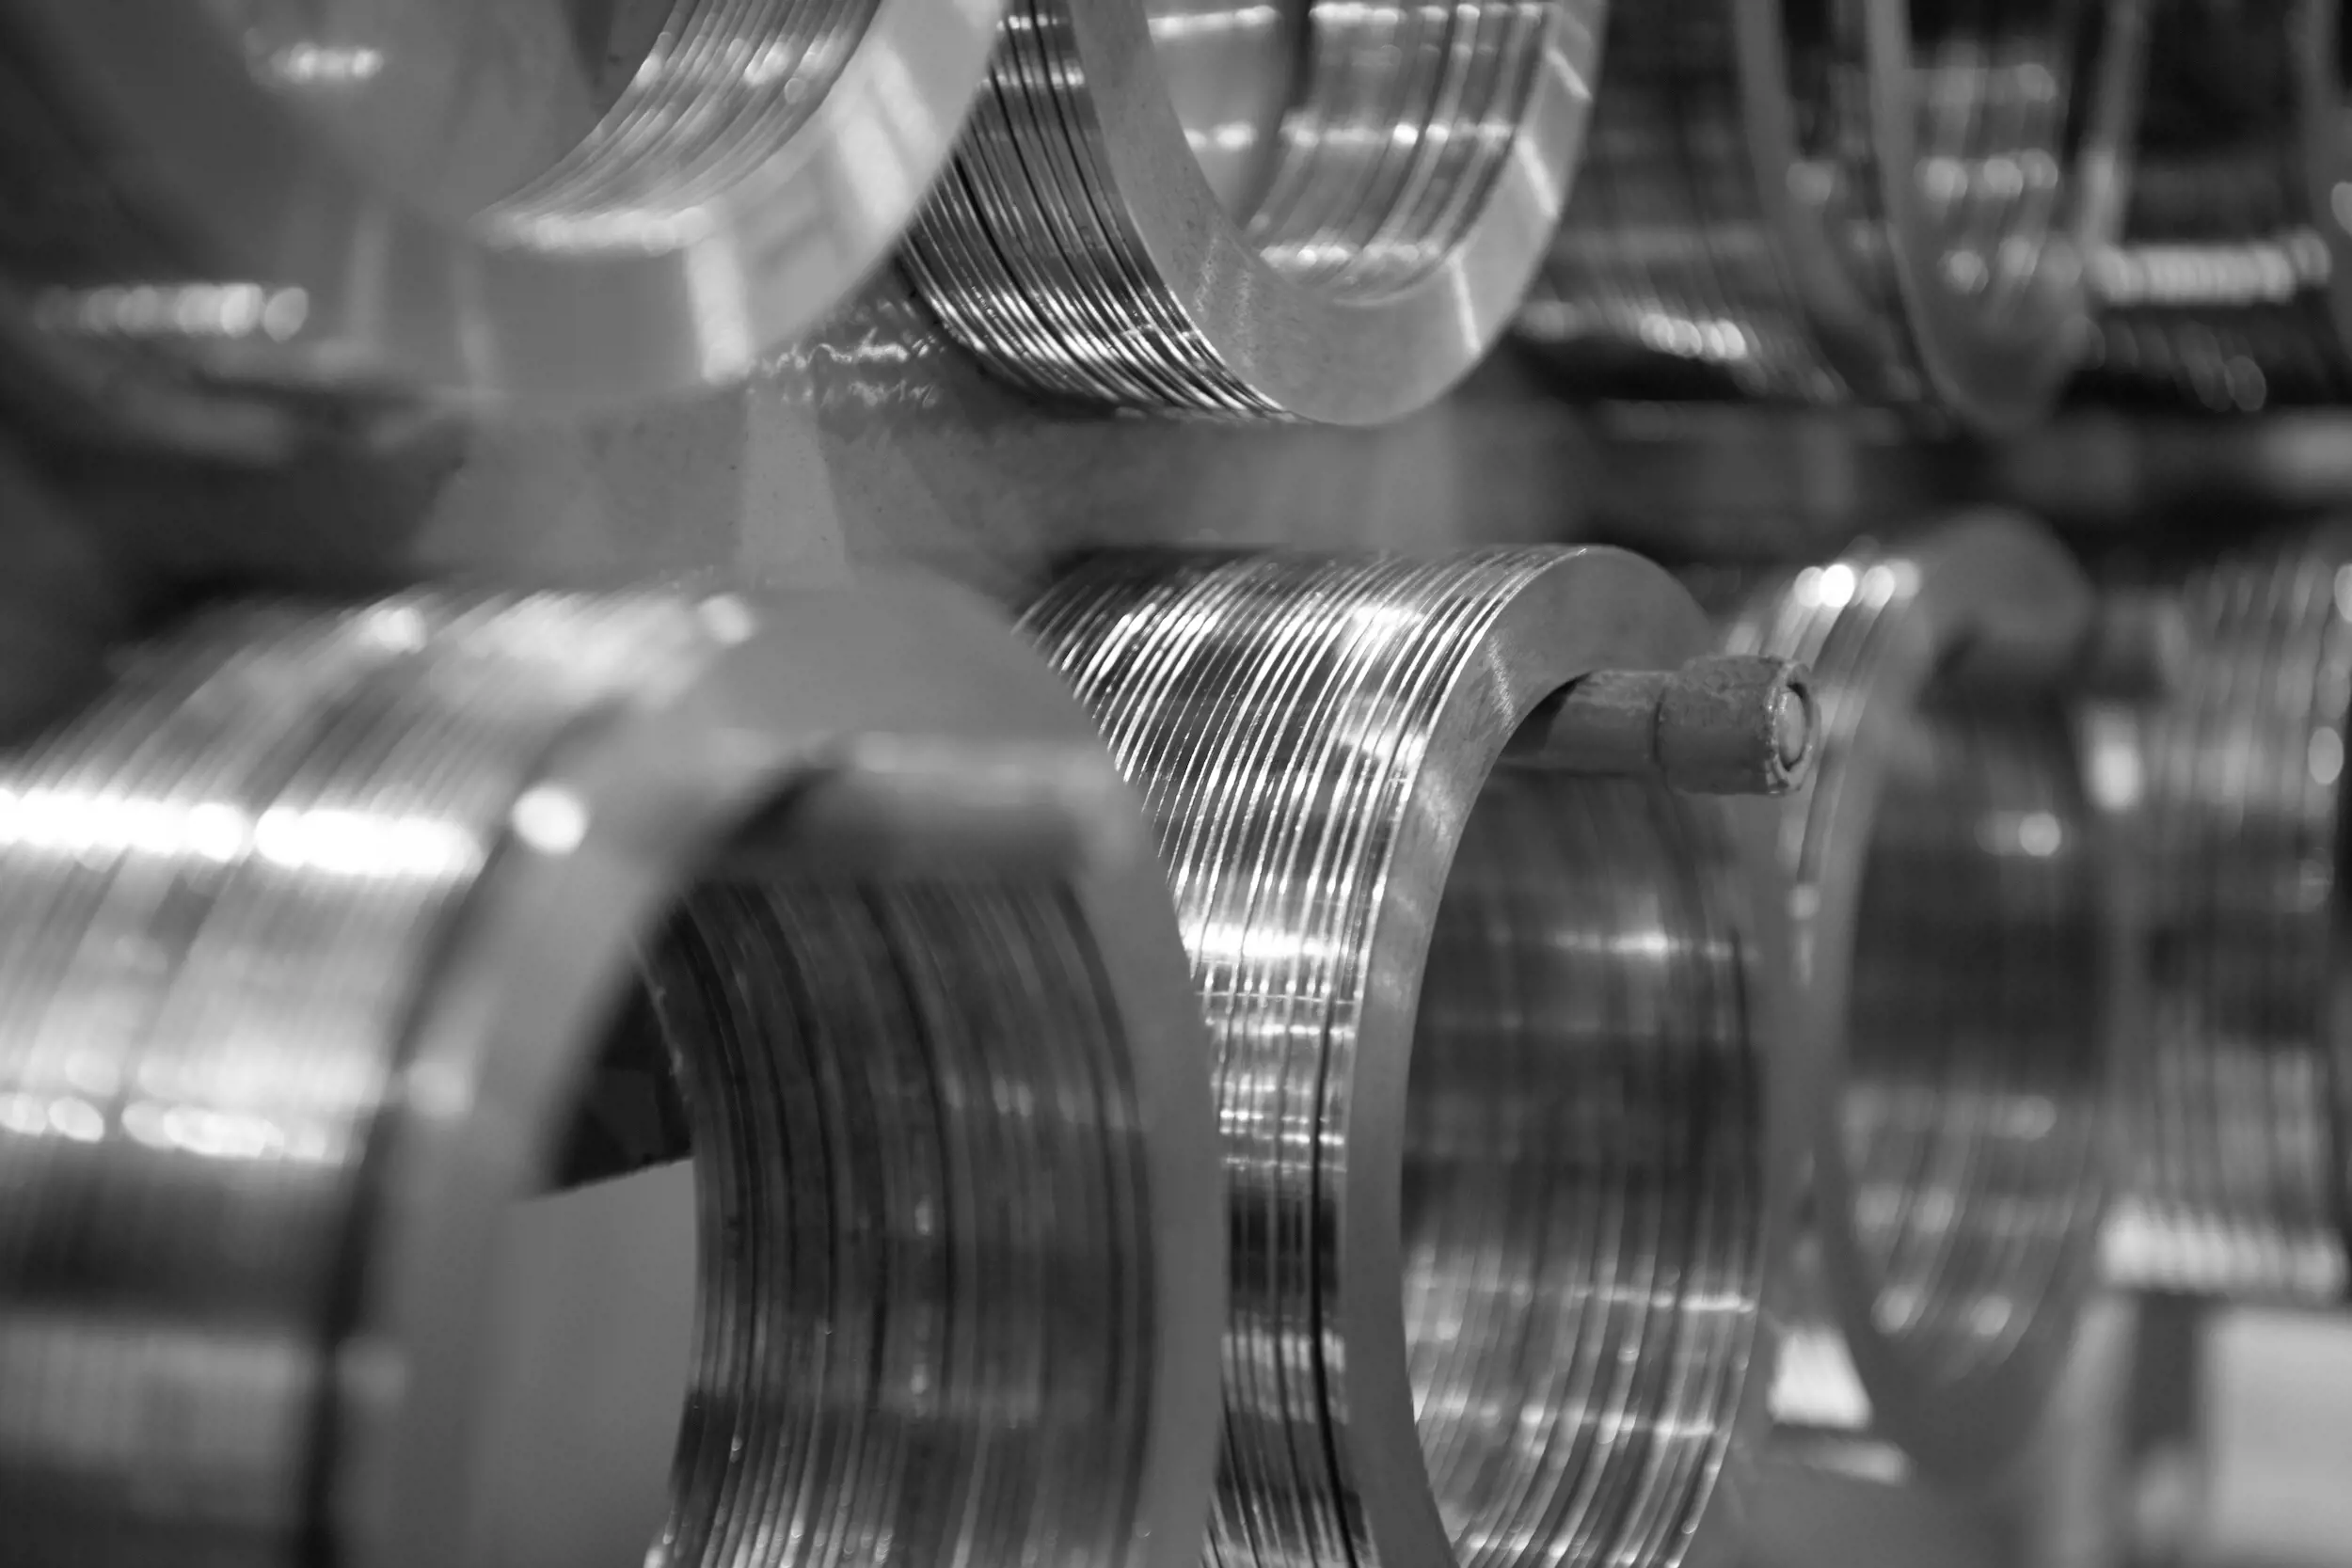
{"points": [[724, 86], [1583, 1175], [919, 1193]]}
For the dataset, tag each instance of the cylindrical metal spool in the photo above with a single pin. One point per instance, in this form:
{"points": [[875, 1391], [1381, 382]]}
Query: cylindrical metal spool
{"points": [[1963, 983], [2230, 286], [2240, 1184], [1327, 213], [1816, 203], [218, 210], [1488, 1042], [310, 928]]}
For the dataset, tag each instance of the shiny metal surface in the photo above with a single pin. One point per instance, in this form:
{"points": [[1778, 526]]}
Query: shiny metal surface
{"points": [[1488, 1046], [1324, 210], [1819, 203], [229, 205], [2240, 1097], [315, 923], [2226, 290], [1964, 989]]}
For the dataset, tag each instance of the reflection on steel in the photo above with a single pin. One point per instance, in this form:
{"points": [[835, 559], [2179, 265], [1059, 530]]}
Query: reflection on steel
{"points": [[312, 928], [1532, 1004], [2239, 1178], [1148, 213], [2230, 288], [228, 206], [1959, 985], [1818, 203]]}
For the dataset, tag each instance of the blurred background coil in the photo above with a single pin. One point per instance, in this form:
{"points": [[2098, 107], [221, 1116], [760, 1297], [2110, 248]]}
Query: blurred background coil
{"points": [[313, 927], [2227, 289], [1821, 203], [2239, 1181], [1533, 1005], [217, 213], [1961, 994], [1327, 211]]}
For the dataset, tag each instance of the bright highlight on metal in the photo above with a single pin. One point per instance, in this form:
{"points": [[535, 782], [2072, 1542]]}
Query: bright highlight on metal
{"points": [[2230, 286], [1256, 210], [311, 931], [440, 200], [1488, 1037], [1964, 988], [2239, 1100], [1823, 204]]}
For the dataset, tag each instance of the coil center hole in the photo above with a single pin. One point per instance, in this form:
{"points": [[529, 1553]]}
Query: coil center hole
{"points": [[1232, 70], [855, 1189], [1354, 144], [1583, 1174]]}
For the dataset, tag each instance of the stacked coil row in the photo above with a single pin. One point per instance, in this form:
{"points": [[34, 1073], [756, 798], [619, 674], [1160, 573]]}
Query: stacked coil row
{"points": [[1531, 1144], [243, 235], [2240, 1108]]}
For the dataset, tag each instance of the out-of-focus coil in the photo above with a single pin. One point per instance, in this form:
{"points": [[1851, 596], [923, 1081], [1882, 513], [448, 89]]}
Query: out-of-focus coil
{"points": [[2240, 1184], [1488, 1044], [1397, 179], [1815, 203], [312, 928], [217, 214], [2231, 288], [1962, 984]]}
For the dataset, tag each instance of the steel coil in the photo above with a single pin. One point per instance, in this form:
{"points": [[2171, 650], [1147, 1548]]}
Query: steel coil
{"points": [[1488, 1047], [1822, 204], [2240, 1184], [312, 929], [2229, 288], [1963, 985], [1215, 207], [219, 214]]}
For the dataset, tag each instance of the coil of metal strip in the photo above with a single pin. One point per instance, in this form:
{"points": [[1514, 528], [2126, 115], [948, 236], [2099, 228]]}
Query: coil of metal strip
{"points": [[1964, 982], [312, 925], [1372, 188], [2239, 1183], [1815, 204], [1531, 1005], [214, 211], [2227, 289]]}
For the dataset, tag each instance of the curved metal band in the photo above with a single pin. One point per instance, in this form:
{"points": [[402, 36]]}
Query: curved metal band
{"points": [[1490, 1043], [218, 214], [2230, 287], [1964, 985], [2240, 1184], [310, 931], [1746, 212], [1079, 250]]}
